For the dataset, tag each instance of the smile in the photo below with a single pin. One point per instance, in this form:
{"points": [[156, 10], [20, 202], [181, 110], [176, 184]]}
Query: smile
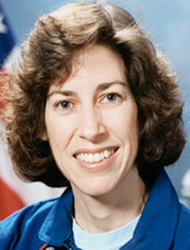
{"points": [[97, 157]]}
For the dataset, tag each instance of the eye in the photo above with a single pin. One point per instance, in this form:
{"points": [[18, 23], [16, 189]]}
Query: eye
{"points": [[111, 97], [64, 105]]}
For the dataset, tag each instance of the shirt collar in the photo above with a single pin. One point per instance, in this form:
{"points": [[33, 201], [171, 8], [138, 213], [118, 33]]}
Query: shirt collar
{"points": [[156, 227], [57, 225]]}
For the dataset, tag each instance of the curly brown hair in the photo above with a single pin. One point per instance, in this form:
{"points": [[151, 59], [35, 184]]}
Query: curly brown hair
{"points": [[47, 57]]}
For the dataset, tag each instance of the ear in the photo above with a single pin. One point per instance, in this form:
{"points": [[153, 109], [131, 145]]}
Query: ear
{"points": [[44, 136]]}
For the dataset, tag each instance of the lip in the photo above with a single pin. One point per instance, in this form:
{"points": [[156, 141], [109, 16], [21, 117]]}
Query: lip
{"points": [[105, 163]]}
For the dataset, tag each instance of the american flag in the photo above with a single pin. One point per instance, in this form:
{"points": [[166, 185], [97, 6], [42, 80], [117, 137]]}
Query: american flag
{"points": [[9, 200], [14, 194]]}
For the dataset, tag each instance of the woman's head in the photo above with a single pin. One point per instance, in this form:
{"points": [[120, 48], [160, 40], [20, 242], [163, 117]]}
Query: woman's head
{"points": [[48, 57]]}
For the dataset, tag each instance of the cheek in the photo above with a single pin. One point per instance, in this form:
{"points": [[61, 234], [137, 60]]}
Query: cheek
{"points": [[128, 130], [59, 134], [124, 121]]}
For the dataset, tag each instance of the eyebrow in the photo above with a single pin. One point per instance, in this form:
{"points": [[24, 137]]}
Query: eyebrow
{"points": [[105, 86], [101, 87], [62, 92]]}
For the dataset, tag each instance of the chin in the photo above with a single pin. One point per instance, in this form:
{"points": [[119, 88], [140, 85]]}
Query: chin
{"points": [[96, 189]]}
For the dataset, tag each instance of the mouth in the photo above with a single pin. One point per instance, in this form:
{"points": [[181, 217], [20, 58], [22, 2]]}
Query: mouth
{"points": [[97, 157]]}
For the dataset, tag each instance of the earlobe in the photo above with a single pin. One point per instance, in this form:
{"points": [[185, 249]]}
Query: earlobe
{"points": [[44, 136]]}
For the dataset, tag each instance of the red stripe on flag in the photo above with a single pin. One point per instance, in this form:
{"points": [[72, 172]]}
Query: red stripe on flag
{"points": [[9, 200]]}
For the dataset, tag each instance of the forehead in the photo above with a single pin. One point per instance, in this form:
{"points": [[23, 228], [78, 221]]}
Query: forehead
{"points": [[100, 61], [94, 51], [94, 65]]}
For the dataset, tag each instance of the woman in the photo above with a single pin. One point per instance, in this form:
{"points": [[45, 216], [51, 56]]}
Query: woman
{"points": [[95, 108]]}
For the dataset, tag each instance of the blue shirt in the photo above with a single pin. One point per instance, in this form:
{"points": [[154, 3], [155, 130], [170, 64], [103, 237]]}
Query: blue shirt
{"points": [[164, 223]]}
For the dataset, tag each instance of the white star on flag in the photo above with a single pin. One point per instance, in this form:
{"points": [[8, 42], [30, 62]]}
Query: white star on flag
{"points": [[3, 28]]}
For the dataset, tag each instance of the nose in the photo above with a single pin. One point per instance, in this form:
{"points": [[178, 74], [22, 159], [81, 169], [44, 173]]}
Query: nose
{"points": [[91, 125]]}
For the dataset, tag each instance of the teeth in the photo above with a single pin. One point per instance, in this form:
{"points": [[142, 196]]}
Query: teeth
{"points": [[106, 153], [97, 157]]}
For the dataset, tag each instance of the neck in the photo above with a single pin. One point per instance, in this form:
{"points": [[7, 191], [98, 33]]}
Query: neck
{"points": [[111, 210]]}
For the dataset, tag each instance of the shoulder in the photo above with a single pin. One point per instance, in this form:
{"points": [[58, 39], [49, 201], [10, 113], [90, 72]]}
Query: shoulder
{"points": [[182, 233], [24, 223], [184, 219]]}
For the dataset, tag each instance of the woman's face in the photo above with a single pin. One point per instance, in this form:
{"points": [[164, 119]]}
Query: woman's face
{"points": [[92, 125]]}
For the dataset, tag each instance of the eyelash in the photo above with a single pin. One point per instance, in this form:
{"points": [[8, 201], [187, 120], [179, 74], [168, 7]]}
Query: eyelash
{"points": [[110, 96]]}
